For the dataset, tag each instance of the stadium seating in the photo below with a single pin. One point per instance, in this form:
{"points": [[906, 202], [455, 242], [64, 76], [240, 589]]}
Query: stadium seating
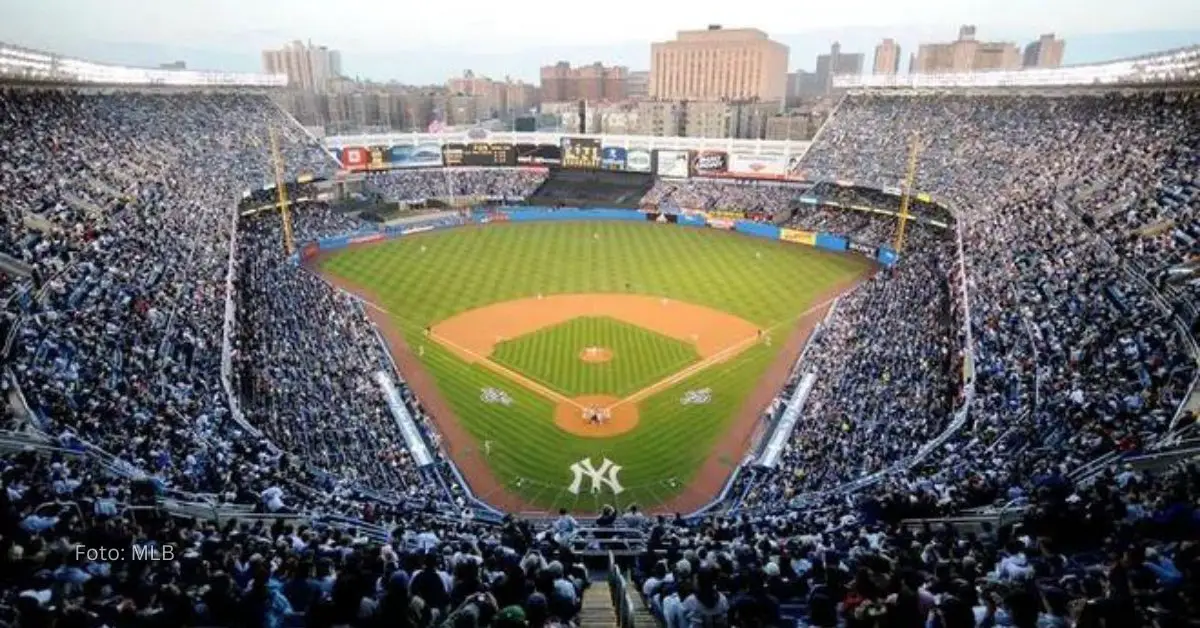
{"points": [[447, 184], [755, 200], [1054, 332]]}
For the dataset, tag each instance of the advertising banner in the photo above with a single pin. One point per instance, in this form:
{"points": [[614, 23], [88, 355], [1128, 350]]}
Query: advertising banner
{"points": [[355, 158], [479, 154], [860, 247], [366, 238], [581, 152], [548, 213], [691, 220], [672, 163], [416, 229], [757, 166], [709, 163], [492, 216], [887, 256], [410, 156], [831, 242], [924, 198], [798, 236], [721, 223], [493, 154], [794, 170], [891, 189], [544, 154], [638, 160], [613, 158], [452, 154], [757, 229], [662, 218], [333, 243], [379, 155]]}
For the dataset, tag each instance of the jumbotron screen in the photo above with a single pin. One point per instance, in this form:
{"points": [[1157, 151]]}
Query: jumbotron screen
{"points": [[581, 152]]}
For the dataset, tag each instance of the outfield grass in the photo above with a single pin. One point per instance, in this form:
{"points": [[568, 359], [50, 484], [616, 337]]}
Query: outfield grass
{"points": [[551, 356], [424, 279]]}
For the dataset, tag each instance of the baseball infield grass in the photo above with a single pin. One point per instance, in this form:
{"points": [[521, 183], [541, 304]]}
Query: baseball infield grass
{"points": [[421, 280], [552, 356]]}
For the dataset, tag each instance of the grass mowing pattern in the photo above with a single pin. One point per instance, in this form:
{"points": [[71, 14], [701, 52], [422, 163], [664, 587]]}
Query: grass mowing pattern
{"points": [[551, 356], [426, 278]]}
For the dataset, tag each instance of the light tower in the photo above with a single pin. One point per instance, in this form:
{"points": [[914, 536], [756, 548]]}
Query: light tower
{"points": [[914, 149], [281, 190]]}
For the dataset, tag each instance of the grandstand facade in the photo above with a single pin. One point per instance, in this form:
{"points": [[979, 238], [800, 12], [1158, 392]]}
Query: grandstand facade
{"points": [[1037, 329]]}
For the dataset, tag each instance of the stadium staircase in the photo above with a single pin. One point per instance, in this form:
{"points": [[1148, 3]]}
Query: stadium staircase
{"points": [[102, 188], [622, 607], [91, 209], [640, 614], [597, 609], [14, 267]]}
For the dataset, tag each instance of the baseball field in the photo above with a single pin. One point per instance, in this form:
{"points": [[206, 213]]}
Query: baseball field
{"points": [[588, 363]]}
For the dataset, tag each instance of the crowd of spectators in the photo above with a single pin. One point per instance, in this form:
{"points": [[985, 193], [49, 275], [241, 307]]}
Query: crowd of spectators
{"points": [[885, 199], [1075, 213], [1073, 356], [446, 184], [860, 226], [757, 200], [887, 364], [77, 552], [306, 361], [123, 205], [1120, 550]]}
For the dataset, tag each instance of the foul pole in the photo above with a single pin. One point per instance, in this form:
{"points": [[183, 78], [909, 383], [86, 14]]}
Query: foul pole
{"points": [[281, 190], [914, 149]]}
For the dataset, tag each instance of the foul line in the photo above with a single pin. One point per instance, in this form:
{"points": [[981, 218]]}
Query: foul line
{"points": [[667, 382], [509, 373], [720, 356], [516, 377]]}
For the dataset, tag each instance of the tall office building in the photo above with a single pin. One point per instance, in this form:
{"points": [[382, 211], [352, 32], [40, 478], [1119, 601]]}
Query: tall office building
{"points": [[803, 85], [887, 57], [1046, 52], [837, 63], [965, 54], [719, 64], [638, 87], [595, 82], [494, 98], [308, 67]]}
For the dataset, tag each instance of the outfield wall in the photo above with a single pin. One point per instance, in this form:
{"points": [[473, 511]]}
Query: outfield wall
{"points": [[309, 250], [884, 255], [827, 241]]}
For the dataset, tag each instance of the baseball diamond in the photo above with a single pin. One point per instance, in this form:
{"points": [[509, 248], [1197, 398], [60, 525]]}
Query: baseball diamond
{"points": [[595, 330]]}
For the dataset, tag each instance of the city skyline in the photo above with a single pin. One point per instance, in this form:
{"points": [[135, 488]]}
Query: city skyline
{"points": [[227, 35]]}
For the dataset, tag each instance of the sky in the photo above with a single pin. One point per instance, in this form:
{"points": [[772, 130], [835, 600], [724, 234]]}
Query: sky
{"points": [[427, 42]]}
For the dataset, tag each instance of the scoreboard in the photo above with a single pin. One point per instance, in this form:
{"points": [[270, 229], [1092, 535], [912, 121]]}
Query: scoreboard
{"points": [[479, 154], [581, 152]]}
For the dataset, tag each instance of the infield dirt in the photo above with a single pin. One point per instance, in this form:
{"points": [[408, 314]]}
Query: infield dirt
{"points": [[711, 340], [475, 333]]}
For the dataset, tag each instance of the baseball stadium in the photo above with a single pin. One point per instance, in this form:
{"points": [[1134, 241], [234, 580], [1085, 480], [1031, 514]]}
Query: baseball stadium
{"points": [[933, 366]]}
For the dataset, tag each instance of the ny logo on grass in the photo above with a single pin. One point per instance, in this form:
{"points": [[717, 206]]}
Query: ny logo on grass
{"points": [[606, 474]]}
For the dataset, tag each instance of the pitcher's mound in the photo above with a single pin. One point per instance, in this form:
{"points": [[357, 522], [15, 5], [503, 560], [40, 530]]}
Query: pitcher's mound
{"points": [[596, 355], [592, 418]]}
